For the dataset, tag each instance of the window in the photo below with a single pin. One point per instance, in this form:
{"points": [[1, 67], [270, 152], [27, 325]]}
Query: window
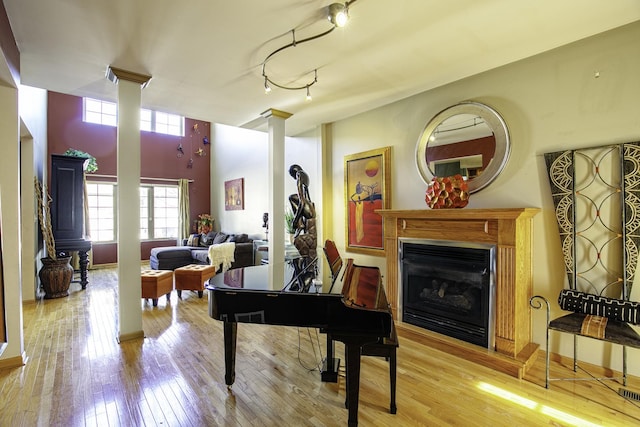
{"points": [[100, 112], [106, 113], [165, 211], [158, 211], [170, 124], [102, 212], [145, 120]]}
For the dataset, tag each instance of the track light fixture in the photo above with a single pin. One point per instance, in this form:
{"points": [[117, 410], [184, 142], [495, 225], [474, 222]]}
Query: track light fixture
{"points": [[338, 15]]}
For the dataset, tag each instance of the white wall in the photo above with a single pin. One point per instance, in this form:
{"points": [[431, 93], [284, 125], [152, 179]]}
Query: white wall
{"points": [[242, 153], [550, 102], [10, 222], [32, 106]]}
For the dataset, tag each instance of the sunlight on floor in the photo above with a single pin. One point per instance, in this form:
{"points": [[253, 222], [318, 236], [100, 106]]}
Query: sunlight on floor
{"points": [[535, 406]]}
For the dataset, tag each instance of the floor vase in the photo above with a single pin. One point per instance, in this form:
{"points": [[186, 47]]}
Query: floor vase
{"points": [[55, 277]]}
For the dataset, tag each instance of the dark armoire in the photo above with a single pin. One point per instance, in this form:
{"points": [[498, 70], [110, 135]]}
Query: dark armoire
{"points": [[67, 209]]}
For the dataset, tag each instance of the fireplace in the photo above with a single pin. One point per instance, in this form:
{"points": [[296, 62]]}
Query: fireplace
{"points": [[509, 231], [449, 287]]}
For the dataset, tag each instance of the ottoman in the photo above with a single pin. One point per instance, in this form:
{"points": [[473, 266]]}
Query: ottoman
{"points": [[170, 257], [156, 283], [192, 277]]}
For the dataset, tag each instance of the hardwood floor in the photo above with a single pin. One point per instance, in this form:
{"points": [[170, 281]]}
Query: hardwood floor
{"points": [[78, 375]]}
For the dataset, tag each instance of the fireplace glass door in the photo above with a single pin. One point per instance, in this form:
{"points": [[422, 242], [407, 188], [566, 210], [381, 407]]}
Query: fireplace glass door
{"points": [[448, 287]]}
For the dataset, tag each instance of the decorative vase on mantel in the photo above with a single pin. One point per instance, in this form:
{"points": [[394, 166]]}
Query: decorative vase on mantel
{"points": [[55, 276], [446, 192]]}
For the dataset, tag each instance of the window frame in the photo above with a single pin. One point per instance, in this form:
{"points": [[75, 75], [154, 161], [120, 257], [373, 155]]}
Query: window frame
{"points": [[107, 119], [151, 220]]}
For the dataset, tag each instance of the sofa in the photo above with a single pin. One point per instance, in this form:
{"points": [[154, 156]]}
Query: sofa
{"points": [[195, 250]]}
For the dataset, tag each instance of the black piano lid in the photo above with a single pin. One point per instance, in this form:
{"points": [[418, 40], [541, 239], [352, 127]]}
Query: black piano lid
{"points": [[256, 279]]}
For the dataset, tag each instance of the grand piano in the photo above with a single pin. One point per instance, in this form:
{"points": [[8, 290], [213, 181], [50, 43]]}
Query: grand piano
{"points": [[356, 316]]}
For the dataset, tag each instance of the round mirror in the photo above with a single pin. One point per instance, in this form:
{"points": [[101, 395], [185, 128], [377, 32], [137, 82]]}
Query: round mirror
{"points": [[470, 139]]}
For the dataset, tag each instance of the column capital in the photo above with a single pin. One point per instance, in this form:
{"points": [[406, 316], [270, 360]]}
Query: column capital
{"points": [[115, 74], [272, 112]]}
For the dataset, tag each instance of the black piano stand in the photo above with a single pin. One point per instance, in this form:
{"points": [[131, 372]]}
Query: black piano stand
{"points": [[385, 347], [330, 365]]}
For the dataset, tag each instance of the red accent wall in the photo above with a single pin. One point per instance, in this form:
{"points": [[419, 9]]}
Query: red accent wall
{"points": [[159, 158], [485, 146]]}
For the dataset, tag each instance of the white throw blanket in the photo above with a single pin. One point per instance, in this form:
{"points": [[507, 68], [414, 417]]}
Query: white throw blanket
{"points": [[222, 253]]}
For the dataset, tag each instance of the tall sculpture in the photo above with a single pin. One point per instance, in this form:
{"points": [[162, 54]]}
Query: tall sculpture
{"points": [[305, 236]]}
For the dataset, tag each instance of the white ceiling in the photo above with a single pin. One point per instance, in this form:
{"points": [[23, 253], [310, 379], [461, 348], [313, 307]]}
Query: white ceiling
{"points": [[205, 56]]}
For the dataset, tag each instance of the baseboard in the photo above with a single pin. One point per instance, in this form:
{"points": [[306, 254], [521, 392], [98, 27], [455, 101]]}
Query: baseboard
{"points": [[130, 336], [144, 263], [14, 362]]}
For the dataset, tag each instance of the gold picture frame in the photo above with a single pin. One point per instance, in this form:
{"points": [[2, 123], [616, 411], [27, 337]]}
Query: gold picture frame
{"points": [[234, 195], [367, 177]]}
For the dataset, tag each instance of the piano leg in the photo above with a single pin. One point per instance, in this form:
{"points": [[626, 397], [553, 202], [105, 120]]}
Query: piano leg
{"points": [[331, 365], [352, 355], [230, 337]]}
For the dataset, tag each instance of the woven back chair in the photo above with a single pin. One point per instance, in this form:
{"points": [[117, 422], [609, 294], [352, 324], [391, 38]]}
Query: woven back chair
{"points": [[596, 194]]}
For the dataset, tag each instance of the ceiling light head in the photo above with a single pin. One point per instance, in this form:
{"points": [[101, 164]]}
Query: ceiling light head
{"points": [[308, 94], [338, 14], [267, 88]]}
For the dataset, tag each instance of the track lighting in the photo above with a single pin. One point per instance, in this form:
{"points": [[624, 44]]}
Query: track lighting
{"points": [[267, 88], [338, 15]]}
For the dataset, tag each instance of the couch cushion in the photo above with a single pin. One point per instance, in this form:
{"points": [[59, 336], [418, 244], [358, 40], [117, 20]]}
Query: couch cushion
{"points": [[200, 255], [168, 252]]}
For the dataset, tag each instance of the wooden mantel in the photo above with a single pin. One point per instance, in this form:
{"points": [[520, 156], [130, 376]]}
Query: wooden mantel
{"points": [[507, 228]]}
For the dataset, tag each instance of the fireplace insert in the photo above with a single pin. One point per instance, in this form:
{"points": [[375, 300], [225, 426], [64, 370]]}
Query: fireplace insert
{"points": [[449, 287]]}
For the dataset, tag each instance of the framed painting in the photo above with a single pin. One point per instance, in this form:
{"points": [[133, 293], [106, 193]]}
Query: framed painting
{"points": [[367, 188], [234, 195]]}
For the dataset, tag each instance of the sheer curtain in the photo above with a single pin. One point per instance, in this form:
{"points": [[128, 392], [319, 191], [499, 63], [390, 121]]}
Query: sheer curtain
{"points": [[183, 210]]}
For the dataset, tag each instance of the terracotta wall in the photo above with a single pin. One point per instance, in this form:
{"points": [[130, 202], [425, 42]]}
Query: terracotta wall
{"points": [[159, 158], [485, 146]]}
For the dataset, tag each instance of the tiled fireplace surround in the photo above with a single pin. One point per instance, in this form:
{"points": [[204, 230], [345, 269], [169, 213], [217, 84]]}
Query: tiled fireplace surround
{"points": [[510, 230]]}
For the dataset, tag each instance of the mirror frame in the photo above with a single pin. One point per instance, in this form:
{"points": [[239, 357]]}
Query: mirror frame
{"points": [[495, 122]]}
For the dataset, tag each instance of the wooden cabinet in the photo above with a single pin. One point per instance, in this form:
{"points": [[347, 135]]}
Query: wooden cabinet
{"points": [[67, 208], [67, 193]]}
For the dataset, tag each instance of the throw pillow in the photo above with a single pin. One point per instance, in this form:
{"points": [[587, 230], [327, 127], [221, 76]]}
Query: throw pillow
{"points": [[220, 238], [207, 239], [239, 238], [193, 240], [612, 308]]}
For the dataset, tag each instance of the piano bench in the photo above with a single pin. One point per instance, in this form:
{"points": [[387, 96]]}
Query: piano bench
{"points": [[156, 283], [192, 277], [387, 348]]}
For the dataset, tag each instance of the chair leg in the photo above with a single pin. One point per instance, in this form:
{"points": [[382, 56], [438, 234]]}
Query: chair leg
{"points": [[575, 353], [536, 302], [546, 365], [624, 365]]}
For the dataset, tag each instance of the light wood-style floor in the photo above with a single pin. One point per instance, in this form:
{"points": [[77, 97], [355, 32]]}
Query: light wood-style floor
{"points": [[78, 375]]}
